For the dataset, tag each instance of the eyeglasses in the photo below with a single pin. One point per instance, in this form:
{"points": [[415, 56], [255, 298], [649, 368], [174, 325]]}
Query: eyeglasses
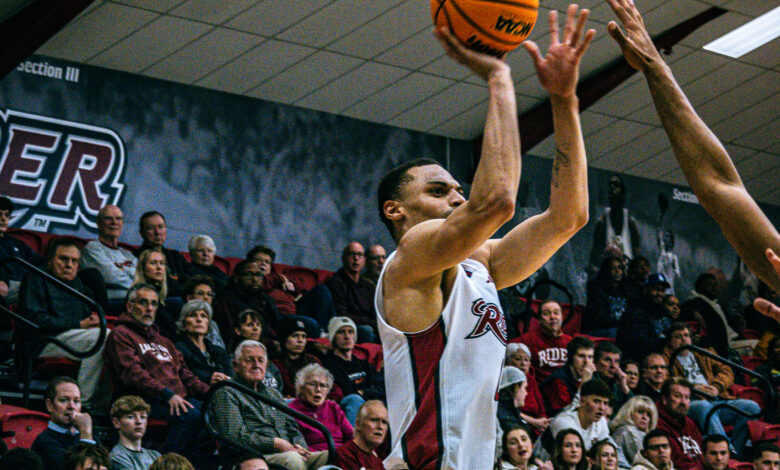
{"points": [[316, 385], [203, 293], [658, 447]]}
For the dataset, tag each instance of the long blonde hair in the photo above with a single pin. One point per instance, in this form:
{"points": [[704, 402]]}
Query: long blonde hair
{"points": [[638, 402], [140, 277]]}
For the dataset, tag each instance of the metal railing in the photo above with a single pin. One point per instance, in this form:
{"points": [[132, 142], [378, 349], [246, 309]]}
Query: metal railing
{"points": [[239, 446], [771, 402], [36, 346]]}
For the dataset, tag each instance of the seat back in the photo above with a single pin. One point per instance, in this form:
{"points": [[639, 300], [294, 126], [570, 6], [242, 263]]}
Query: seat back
{"points": [[26, 425]]}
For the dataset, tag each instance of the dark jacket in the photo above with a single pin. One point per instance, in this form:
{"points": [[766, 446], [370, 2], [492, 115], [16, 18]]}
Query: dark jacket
{"points": [[219, 278], [605, 306], [355, 375], [353, 299], [12, 246], [232, 300], [216, 359], [51, 307], [51, 447], [177, 267], [508, 415], [559, 389], [642, 330], [618, 397], [144, 362]]}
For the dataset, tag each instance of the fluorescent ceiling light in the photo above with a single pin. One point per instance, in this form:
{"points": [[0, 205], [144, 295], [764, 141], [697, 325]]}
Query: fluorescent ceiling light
{"points": [[749, 36]]}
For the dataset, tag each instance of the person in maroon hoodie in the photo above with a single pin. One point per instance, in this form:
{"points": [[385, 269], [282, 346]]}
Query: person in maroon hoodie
{"points": [[685, 436], [145, 363], [548, 343]]}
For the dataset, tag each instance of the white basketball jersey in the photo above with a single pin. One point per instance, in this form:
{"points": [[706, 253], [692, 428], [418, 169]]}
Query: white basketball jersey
{"points": [[442, 382]]}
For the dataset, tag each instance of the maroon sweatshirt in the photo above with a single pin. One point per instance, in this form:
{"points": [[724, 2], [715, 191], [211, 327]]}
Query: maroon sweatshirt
{"points": [[146, 363], [686, 439]]}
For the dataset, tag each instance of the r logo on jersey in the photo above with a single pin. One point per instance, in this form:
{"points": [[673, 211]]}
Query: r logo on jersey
{"points": [[490, 319]]}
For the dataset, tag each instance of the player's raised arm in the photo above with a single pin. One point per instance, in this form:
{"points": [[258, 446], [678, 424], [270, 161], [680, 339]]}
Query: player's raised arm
{"points": [[529, 245], [437, 227], [705, 163]]}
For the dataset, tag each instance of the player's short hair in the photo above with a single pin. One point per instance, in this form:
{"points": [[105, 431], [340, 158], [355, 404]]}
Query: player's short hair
{"points": [[580, 342], [51, 388], [260, 249], [76, 456], [652, 435], [392, 183], [712, 439], [596, 387], [127, 404], [666, 388], [606, 347]]}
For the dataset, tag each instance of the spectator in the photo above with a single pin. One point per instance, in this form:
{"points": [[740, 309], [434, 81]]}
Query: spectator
{"points": [[606, 302], [606, 357], [357, 379], [512, 391], [293, 356], [548, 344], [266, 430], [672, 306], [518, 355], [713, 378], [250, 326], [12, 274], [766, 457], [603, 455], [154, 232], [516, 448], [130, 415], [353, 295], [722, 330], [202, 251], [631, 369], [202, 288], [589, 419], [644, 324], [20, 458], [151, 270], [172, 461], [654, 374], [634, 419], [147, 364], [771, 370], [244, 292], [312, 385], [656, 452], [375, 260], [67, 424], [716, 453], [636, 277], [561, 387], [569, 451], [60, 314], [87, 457], [116, 264], [370, 432], [250, 463], [316, 303], [210, 363], [684, 436]]}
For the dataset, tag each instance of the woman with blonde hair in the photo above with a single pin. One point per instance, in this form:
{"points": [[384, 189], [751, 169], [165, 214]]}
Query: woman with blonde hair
{"points": [[634, 419], [152, 269]]}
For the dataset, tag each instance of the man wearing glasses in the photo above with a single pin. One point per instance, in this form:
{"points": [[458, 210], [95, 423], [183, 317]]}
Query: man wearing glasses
{"points": [[145, 363], [353, 294], [116, 264], [654, 373]]}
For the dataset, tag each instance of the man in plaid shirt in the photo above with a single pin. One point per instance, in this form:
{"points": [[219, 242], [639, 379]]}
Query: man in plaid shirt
{"points": [[254, 424]]}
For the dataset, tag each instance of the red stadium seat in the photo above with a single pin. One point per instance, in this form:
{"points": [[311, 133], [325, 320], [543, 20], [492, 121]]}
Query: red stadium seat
{"points": [[761, 431], [751, 334], [371, 353], [305, 278], [737, 465], [749, 393], [33, 239], [26, 424], [223, 264], [50, 367], [752, 362]]}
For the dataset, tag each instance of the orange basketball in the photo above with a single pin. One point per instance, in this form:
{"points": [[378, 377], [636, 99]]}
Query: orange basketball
{"points": [[491, 26]]}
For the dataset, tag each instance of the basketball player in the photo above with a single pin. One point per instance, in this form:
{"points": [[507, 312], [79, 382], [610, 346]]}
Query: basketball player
{"points": [[704, 162], [442, 330]]}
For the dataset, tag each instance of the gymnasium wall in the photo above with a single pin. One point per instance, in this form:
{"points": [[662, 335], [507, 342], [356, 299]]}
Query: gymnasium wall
{"points": [[245, 171]]}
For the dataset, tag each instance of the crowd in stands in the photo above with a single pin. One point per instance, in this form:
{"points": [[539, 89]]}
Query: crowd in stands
{"points": [[605, 397]]}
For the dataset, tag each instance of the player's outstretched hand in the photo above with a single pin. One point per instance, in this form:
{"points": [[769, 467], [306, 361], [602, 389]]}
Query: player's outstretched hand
{"points": [[762, 305], [479, 63], [559, 70], [636, 44]]}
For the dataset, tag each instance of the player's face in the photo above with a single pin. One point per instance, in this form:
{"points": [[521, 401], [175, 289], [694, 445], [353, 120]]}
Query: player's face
{"points": [[656, 371], [551, 318], [132, 425], [432, 194], [572, 449], [632, 375], [767, 461], [716, 455], [642, 418], [678, 401], [607, 458], [658, 451], [519, 447], [66, 403], [372, 427], [608, 364], [65, 264]]}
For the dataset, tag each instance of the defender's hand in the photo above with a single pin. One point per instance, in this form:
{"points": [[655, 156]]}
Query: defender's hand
{"points": [[481, 64], [762, 305], [636, 44], [559, 71]]}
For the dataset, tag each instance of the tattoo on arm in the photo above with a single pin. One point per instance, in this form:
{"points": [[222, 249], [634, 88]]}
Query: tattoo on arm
{"points": [[561, 160]]}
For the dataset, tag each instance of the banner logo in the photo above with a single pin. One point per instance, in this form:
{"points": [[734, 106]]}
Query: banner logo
{"points": [[58, 173]]}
